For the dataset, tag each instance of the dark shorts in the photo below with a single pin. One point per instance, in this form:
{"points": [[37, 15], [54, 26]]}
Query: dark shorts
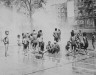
{"points": [[25, 46], [6, 43], [86, 46], [40, 44], [42, 48], [55, 39], [35, 44]]}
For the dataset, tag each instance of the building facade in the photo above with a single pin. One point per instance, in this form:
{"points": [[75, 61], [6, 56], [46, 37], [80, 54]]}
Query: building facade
{"points": [[85, 14], [60, 11]]}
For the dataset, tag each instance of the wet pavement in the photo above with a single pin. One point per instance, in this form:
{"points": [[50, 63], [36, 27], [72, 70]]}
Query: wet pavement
{"points": [[58, 64]]}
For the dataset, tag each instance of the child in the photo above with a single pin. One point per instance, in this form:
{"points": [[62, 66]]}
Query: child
{"points": [[6, 42], [56, 47], [73, 43], [67, 47], [85, 42], [25, 45], [59, 34], [41, 51], [48, 47], [93, 40], [18, 42], [34, 34], [55, 35]]}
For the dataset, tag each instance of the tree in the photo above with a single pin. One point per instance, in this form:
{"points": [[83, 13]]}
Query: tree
{"points": [[7, 3], [30, 6]]}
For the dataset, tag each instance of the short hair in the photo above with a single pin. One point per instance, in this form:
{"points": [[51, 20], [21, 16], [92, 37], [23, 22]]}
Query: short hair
{"points": [[49, 41], [18, 36], [6, 32], [22, 34], [40, 30], [72, 30], [79, 30], [55, 29]]}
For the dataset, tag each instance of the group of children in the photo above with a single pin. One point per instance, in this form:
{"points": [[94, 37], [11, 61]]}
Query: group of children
{"points": [[77, 42], [35, 42], [53, 48]]}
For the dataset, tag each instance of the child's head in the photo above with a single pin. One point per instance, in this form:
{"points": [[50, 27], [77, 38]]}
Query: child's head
{"points": [[33, 30], [79, 31], [49, 42], [18, 36], [6, 32], [55, 29]]}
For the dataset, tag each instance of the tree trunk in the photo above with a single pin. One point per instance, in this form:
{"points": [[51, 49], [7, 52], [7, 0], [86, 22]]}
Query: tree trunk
{"points": [[31, 23]]}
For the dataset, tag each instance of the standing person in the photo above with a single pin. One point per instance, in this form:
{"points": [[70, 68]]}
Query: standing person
{"points": [[59, 34], [34, 39], [31, 40], [93, 40], [85, 40], [73, 43], [39, 33], [18, 42], [41, 51], [80, 35], [6, 42], [39, 42], [72, 32], [22, 37], [78, 41], [48, 47], [25, 45], [27, 37], [55, 35]]}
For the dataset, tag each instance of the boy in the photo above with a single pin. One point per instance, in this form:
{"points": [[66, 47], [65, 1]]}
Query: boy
{"points": [[25, 45], [85, 40], [18, 42], [6, 42], [41, 51], [59, 34], [48, 47], [93, 40], [55, 35]]}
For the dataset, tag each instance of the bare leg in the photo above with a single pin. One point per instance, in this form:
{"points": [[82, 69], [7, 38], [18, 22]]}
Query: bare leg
{"points": [[6, 50], [93, 45]]}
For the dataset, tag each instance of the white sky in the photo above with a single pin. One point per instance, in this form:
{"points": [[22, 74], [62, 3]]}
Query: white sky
{"points": [[51, 2]]}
